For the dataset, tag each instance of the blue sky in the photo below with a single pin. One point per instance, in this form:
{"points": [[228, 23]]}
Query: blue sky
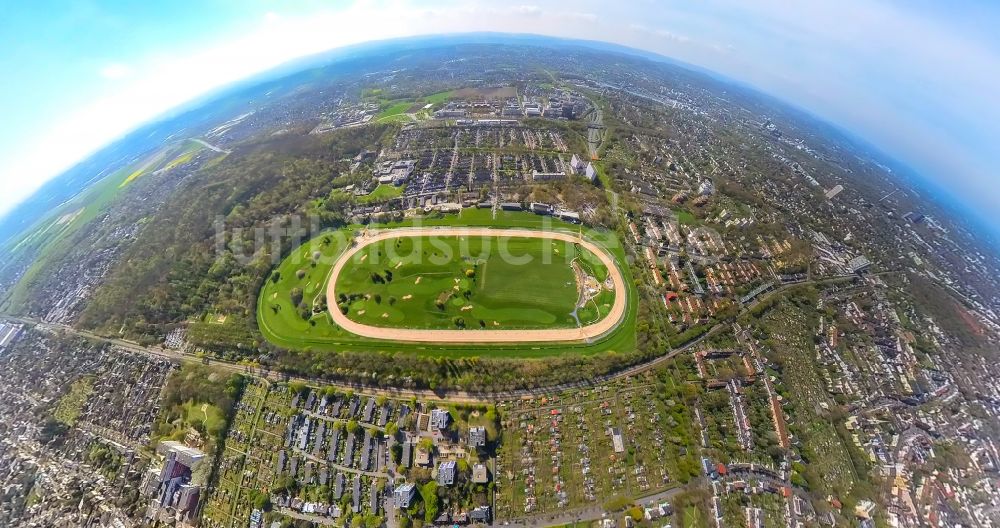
{"points": [[919, 79]]}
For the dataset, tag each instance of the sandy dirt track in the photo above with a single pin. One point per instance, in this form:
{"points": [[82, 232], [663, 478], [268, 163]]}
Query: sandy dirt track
{"points": [[597, 329]]}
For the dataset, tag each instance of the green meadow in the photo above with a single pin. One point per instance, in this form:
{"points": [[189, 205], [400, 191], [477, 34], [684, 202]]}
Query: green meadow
{"points": [[467, 282], [300, 321]]}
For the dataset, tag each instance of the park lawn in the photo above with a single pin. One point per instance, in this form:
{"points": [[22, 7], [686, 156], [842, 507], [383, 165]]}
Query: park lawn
{"points": [[275, 312], [398, 118], [210, 416], [383, 192], [686, 218], [281, 323], [415, 273], [603, 176], [439, 97], [693, 518], [395, 108]]}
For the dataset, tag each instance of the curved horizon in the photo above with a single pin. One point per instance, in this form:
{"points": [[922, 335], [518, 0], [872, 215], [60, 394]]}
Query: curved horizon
{"points": [[923, 97]]}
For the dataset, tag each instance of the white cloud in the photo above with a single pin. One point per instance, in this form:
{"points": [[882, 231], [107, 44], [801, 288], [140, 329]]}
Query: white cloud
{"points": [[663, 35], [669, 35], [528, 10], [573, 15], [115, 71]]}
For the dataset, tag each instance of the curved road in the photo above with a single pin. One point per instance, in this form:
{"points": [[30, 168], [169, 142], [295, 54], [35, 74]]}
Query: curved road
{"points": [[605, 325]]}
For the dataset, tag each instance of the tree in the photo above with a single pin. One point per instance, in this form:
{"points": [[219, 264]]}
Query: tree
{"points": [[296, 296], [319, 306], [428, 492], [285, 484], [261, 501], [617, 503]]}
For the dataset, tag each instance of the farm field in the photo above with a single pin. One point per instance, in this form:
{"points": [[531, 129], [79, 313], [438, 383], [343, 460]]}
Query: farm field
{"points": [[51, 235], [305, 271]]}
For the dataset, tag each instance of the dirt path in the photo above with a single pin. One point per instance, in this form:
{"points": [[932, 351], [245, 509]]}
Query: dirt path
{"points": [[608, 323]]}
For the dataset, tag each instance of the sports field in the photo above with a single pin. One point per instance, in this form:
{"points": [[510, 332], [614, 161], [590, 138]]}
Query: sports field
{"points": [[473, 285], [292, 310]]}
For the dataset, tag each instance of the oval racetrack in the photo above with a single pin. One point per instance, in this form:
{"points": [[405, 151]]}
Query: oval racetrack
{"points": [[584, 333]]}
